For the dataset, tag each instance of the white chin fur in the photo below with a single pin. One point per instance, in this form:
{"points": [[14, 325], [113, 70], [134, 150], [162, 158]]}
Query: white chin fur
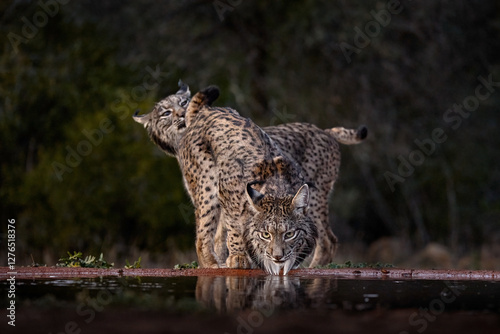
{"points": [[288, 266], [274, 268]]}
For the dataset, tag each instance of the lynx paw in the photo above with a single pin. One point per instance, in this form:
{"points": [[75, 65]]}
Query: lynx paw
{"points": [[237, 262]]}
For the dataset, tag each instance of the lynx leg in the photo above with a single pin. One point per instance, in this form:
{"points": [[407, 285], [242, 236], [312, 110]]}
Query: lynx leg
{"points": [[221, 250], [206, 226], [212, 292], [326, 244], [237, 256]]}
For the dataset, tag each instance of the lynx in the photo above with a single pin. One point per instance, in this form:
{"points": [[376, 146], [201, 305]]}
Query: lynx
{"points": [[314, 149], [239, 178], [160, 124]]}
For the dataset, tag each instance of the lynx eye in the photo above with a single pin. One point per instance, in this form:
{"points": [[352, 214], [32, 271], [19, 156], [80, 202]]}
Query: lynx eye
{"points": [[166, 113], [183, 103], [265, 235], [290, 235]]}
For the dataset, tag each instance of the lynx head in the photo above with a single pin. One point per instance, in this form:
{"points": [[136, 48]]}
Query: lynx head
{"points": [[279, 235], [165, 123]]}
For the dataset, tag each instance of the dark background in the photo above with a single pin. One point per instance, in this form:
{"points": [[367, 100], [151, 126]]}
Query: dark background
{"points": [[78, 174]]}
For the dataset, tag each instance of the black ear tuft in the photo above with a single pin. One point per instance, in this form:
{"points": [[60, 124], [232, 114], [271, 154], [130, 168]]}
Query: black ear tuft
{"points": [[253, 194], [362, 132], [254, 197], [183, 88], [143, 119], [211, 94]]}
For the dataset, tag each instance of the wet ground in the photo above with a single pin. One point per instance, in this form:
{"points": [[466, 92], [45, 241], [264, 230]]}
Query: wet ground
{"points": [[66, 300]]}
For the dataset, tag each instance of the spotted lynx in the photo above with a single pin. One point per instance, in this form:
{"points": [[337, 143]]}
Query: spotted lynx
{"points": [[160, 124], [316, 151], [237, 176]]}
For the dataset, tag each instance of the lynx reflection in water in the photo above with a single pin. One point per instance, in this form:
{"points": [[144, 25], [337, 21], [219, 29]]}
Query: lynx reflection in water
{"points": [[266, 293]]}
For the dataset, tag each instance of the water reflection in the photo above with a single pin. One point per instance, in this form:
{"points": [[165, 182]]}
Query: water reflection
{"points": [[236, 293], [272, 293], [267, 294]]}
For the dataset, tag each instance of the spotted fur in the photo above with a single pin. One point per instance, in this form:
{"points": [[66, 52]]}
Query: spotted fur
{"points": [[314, 149], [317, 152], [237, 176]]}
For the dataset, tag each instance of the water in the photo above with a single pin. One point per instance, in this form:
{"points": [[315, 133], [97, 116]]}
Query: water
{"points": [[232, 294], [257, 304]]}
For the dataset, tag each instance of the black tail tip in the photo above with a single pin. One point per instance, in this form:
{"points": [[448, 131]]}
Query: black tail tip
{"points": [[362, 132], [211, 93]]}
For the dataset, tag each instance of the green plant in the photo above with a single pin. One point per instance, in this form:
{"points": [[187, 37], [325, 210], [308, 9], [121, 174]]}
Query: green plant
{"points": [[349, 264], [192, 265], [135, 265], [35, 264], [76, 260]]}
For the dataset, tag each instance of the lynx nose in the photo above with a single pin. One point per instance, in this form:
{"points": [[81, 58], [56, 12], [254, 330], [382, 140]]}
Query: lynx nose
{"points": [[277, 254], [180, 112]]}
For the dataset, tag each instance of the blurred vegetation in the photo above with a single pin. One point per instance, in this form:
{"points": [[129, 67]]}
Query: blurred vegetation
{"points": [[349, 264], [73, 85], [135, 265], [192, 265], [76, 260]]}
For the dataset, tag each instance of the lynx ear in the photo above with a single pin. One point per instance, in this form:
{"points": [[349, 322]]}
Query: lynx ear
{"points": [[301, 199], [281, 163], [183, 89], [253, 197], [278, 160], [143, 119]]}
